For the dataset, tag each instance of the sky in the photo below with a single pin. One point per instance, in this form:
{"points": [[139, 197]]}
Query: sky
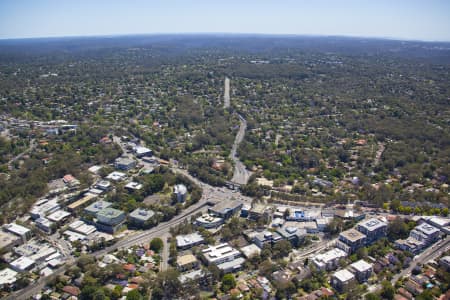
{"points": [[427, 20]]}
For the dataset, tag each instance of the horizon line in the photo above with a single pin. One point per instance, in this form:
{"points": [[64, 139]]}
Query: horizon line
{"points": [[226, 33]]}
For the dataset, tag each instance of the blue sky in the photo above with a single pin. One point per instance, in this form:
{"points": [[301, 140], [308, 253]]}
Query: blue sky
{"points": [[402, 19]]}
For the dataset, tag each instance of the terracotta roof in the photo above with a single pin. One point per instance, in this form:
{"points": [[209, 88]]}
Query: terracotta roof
{"points": [[72, 290]]}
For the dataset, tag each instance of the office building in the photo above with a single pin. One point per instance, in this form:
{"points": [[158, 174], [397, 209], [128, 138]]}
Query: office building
{"points": [[219, 254], [180, 192], [19, 230], [186, 262], [292, 234], [140, 216], [226, 208], [362, 270], [95, 207], [329, 260], [124, 163], [266, 238], [374, 229], [189, 240], [425, 233], [110, 220], [342, 280], [351, 240]]}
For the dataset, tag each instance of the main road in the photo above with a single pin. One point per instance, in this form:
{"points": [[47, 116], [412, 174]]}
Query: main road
{"points": [[210, 195]]}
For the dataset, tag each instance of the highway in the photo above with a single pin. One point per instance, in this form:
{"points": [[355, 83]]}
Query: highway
{"points": [[226, 94], [241, 174]]}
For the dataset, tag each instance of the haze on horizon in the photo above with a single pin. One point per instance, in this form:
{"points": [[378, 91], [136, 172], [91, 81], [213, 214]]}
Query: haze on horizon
{"points": [[401, 19]]}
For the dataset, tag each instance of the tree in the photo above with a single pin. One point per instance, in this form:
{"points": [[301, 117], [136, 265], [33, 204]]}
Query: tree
{"points": [[372, 296], [134, 295], [388, 290], [228, 282], [157, 244]]}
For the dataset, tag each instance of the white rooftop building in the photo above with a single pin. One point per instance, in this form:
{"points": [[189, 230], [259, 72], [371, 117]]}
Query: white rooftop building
{"points": [[329, 260], [220, 254], [189, 240], [22, 264], [133, 186], [250, 250], [7, 276], [142, 151], [58, 216], [18, 230], [180, 192], [116, 176], [44, 208]]}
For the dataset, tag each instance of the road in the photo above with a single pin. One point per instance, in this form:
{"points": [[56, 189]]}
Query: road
{"points": [[241, 175], [210, 194], [19, 156], [429, 254], [226, 94]]}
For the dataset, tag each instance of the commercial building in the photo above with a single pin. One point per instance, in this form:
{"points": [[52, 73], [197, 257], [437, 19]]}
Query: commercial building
{"points": [[410, 244], [419, 238], [110, 219], [374, 229], [95, 207], [209, 221], [142, 151], [322, 223], [8, 241], [124, 163], [329, 260], [103, 185], [140, 216], [87, 198], [250, 250], [351, 240], [425, 233], [22, 264], [442, 223], [44, 224], [232, 265], [58, 216], [7, 277], [180, 192], [257, 211], [342, 280], [133, 186], [19, 230], [292, 234], [219, 254], [44, 208], [116, 176], [186, 262], [226, 208], [362, 270], [82, 228], [445, 262], [266, 238], [189, 240]]}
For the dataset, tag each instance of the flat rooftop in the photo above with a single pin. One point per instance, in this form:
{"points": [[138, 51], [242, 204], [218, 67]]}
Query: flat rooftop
{"points": [[361, 266], [186, 259], [16, 229], [427, 228], [343, 275], [226, 205], [189, 239], [6, 239], [372, 224], [214, 253], [142, 214], [109, 212], [58, 215], [353, 235], [97, 206]]}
